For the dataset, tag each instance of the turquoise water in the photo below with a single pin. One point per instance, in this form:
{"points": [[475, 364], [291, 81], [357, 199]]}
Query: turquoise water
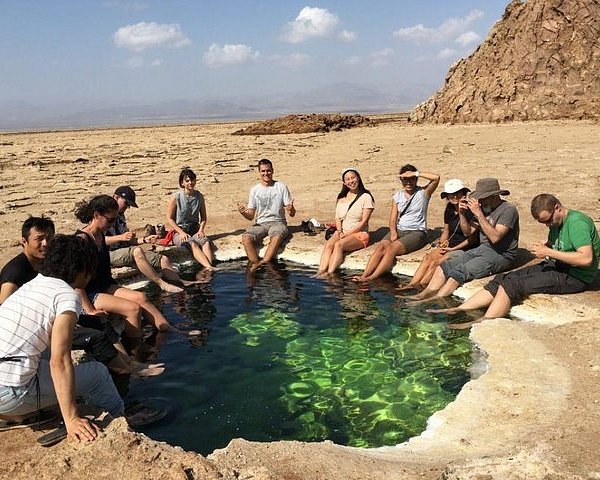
{"points": [[284, 356]]}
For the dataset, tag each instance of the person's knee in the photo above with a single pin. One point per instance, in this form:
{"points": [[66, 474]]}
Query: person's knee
{"points": [[165, 263]]}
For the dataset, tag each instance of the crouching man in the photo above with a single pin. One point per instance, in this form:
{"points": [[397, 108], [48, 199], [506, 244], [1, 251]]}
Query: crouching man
{"points": [[569, 262], [41, 315]]}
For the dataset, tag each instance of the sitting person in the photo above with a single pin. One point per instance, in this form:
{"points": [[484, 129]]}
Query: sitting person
{"points": [[125, 249], [354, 207], [39, 316], [408, 222], [186, 215], [268, 203], [102, 294], [90, 333], [36, 232], [498, 223], [569, 262], [453, 238]]}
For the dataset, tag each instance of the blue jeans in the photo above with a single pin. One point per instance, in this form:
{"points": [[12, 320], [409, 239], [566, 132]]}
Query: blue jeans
{"points": [[92, 382]]}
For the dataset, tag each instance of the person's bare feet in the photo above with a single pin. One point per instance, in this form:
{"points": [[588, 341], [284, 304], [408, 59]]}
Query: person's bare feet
{"points": [[169, 287], [359, 279], [147, 371], [465, 325], [447, 311]]}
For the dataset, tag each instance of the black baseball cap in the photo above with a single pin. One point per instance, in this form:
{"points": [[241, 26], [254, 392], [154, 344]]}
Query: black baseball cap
{"points": [[128, 194]]}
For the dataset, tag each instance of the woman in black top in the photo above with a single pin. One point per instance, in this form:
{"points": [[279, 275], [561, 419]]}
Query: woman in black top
{"points": [[102, 293], [452, 238]]}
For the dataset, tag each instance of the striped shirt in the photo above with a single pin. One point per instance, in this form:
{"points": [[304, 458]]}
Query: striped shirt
{"points": [[26, 320]]}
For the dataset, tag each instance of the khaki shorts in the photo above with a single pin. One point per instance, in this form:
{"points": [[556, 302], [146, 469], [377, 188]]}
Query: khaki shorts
{"points": [[268, 229], [412, 240], [123, 257]]}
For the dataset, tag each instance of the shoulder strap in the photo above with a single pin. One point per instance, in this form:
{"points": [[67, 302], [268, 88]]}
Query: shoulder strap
{"points": [[352, 203], [407, 205]]}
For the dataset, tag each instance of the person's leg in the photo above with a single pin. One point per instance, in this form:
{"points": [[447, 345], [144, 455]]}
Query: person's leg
{"points": [[122, 306], [327, 251], [392, 250], [200, 256], [273, 248], [374, 260], [480, 299], [449, 268], [143, 265], [148, 310], [346, 244], [424, 270], [92, 381]]}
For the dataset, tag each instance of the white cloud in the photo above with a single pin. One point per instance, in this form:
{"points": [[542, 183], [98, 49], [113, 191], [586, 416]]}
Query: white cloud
{"points": [[347, 36], [449, 29], [229, 55], [468, 38], [311, 22], [145, 35], [446, 53], [382, 57], [293, 60], [156, 62]]}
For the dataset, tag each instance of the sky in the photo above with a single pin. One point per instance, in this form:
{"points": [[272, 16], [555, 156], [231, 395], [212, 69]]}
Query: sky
{"points": [[111, 52]]}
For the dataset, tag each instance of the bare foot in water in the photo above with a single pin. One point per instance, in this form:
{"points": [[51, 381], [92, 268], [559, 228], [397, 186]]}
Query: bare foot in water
{"points": [[447, 311], [463, 326], [169, 287], [147, 371], [359, 278]]}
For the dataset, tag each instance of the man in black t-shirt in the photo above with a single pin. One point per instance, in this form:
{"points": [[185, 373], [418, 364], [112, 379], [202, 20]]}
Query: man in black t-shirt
{"points": [[36, 232]]}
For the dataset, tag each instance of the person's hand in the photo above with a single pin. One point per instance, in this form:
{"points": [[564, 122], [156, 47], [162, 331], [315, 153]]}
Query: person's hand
{"points": [[184, 237], [150, 239], [393, 236], [241, 207], [409, 174], [463, 206], [290, 209], [475, 207], [539, 250], [445, 250], [128, 236], [81, 429], [200, 234]]}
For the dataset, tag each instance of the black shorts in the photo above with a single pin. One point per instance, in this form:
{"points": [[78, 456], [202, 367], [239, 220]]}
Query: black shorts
{"points": [[540, 278]]}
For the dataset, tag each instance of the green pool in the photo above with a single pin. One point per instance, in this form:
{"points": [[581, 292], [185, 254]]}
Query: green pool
{"points": [[284, 356]]}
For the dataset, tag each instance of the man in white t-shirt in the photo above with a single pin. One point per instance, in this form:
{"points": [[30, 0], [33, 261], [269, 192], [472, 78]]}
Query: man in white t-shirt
{"points": [[268, 203], [41, 315]]}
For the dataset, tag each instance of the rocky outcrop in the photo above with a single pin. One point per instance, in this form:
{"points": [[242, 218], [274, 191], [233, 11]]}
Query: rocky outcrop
{"points": [[541, 61], [313, 123]]}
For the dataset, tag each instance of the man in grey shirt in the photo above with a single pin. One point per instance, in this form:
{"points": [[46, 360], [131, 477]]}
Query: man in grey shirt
{"points": [[268, 203], [498, 223]]}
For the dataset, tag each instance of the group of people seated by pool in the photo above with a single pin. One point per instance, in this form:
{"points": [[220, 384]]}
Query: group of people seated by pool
{"points": [[56, 294]]}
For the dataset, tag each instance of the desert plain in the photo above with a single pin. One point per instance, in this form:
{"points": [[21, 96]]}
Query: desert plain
{"points": [[535, 412]]}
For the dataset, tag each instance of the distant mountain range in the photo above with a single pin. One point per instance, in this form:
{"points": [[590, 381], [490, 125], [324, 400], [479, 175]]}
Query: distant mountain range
{"points": [[342, 97]]}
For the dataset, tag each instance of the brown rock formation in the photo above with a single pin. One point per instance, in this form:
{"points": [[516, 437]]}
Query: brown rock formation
{"points": [[541, 61], [313, 123]]}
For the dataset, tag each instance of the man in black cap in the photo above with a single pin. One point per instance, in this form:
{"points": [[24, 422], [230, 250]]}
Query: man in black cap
{"points": [[125, 249], [498, 224]]}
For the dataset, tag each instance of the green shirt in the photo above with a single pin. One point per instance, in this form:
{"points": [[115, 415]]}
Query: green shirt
{"points": [[578, 230]]}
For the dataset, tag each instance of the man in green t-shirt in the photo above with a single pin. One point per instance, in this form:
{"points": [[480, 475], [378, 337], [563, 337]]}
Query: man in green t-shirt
{"points": [[570, 262]]}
